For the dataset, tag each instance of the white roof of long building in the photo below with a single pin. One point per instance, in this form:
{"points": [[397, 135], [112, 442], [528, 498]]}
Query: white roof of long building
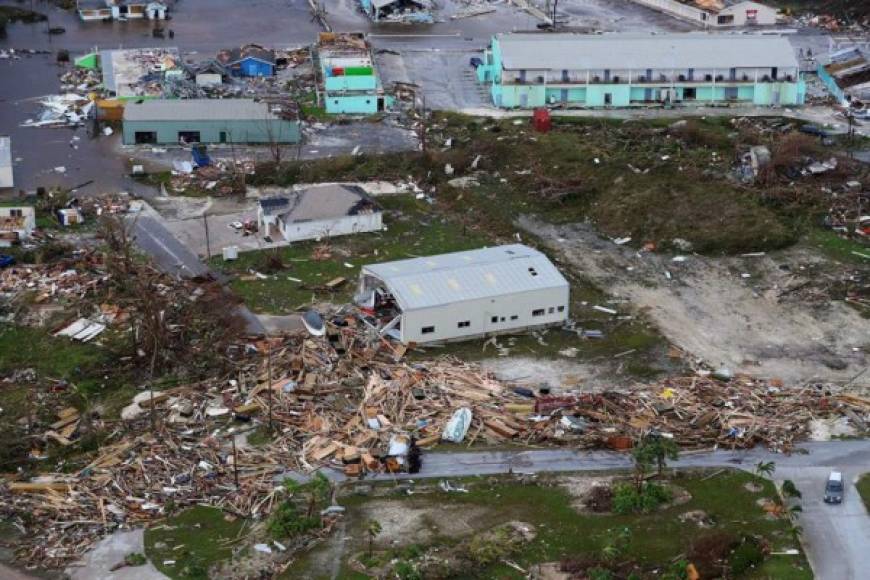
{"points": [[6, 162], [197, 110], [471, 275], [569, 51]]}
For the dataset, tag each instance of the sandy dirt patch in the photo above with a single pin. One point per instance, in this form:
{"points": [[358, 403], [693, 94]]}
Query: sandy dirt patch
{"points": [[403, 524], [728, 312]]}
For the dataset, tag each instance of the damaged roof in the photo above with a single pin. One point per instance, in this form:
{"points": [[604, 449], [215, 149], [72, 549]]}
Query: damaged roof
{"points": [[254, 51], [470, 275], [326, 202], [618, 51]]}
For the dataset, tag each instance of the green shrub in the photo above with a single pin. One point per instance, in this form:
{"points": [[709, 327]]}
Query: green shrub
{"points": [[627, 500], [286, 522], [746, 556], [407, 571]]}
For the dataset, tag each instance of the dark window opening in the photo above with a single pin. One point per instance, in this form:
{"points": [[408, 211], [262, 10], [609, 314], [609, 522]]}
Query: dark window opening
{"points": [[494, 319], [427, 329], [145, 137], [774, 72], [502, 319], [608, 99], [515, 317], [561, 309], [690, 94], [223, 137], [538, 312], [464, 324], [551, 310], [727, 19], [533, 272]]}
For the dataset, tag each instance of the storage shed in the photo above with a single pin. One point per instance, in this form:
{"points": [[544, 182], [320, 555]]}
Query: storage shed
{"points": [[251, 60], [464, 295], [188, 121]]}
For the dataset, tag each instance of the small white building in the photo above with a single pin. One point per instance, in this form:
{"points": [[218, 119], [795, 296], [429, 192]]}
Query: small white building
{"points": [[464, 295], [318, 212], [716, 13], [16, 224], [6, 177], [91, 10]]}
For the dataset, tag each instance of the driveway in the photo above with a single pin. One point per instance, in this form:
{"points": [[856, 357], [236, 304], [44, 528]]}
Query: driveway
{"points": [[836, 538]]}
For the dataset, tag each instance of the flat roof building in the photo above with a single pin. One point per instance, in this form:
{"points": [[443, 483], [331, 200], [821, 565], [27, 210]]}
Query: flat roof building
{"points": [[464, 295], [350, 78], [621, 70], [187, 121]]}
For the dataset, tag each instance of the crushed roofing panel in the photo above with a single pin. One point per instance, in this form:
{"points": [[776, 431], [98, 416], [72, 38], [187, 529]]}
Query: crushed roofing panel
{"points": [[619, 51], [326, 202], [471, 275]]}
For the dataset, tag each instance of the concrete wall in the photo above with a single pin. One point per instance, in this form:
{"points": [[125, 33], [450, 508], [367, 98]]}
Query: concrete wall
{"points": [[254, 131], [340, 226], [351, 83], [351, 104], [479, 314], [624, 95], [679, 10]]}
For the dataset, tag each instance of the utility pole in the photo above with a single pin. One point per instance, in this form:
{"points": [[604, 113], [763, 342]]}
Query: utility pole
{"points": [[207, 240], [151, 407], [269, 371], [235, 461], [555, 5]]}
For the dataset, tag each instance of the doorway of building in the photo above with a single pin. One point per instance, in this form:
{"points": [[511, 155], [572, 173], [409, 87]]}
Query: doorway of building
{"points": [[188, 137], [608, 98], [223, 136], [690, 94]]}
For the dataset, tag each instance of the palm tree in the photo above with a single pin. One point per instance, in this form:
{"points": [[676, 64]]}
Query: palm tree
{"points": [[765, 469], [373, 529]]}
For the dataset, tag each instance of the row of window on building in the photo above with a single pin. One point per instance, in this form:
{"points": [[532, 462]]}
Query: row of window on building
{"points": [[497, 319]]}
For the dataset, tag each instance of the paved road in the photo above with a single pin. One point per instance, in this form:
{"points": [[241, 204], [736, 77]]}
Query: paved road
{"points": [[175, 259], [836, 538]]}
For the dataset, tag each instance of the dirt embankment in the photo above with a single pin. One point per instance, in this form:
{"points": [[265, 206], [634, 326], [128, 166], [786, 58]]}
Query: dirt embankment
{"points": [[737, 312]]}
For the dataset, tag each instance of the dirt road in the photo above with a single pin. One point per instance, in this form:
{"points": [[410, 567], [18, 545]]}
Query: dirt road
{"points": [[731, 312]]}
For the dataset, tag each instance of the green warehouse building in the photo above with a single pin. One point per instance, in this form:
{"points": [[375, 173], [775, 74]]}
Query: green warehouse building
{"points": [[185, 121], [623, 70]]}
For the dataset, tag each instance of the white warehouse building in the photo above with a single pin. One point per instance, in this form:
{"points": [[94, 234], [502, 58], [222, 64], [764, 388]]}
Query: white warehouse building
{"points": [[464, 295]]}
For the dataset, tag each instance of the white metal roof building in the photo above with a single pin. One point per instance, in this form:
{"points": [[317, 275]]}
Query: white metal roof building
{"points": [[636, 51], [465, 294], [6, 178]]}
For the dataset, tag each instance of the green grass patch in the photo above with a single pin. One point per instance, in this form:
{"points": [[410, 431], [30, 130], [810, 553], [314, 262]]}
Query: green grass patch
{"points": [[656, 538], [57, 358], [413, 229], [195, 539], [838, 247], [863, 488]]}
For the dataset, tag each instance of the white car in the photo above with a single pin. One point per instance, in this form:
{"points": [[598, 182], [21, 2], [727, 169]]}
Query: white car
{"points": [[237, 225]]}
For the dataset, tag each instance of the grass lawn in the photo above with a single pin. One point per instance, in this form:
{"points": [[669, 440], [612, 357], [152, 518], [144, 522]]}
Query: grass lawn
{"points": [[864, 489], [412, 229], [564, 533], [838, 247], [195, 539]]}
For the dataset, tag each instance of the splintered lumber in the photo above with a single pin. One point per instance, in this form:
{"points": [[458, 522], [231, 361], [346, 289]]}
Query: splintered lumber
{"points": [[500, 428], [38, 487], [247, 409], [323, 452]]}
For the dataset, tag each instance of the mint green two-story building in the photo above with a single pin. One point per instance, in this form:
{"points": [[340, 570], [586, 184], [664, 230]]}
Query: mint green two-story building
{"points": [[525, 70]]}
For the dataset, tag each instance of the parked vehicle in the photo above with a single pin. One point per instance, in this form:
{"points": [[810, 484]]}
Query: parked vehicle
{"points": [[834, 488], [475, 62], [6, 261]]}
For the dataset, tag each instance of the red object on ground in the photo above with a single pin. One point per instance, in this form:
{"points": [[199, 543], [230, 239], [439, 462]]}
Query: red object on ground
{"points": [[541, 120]]}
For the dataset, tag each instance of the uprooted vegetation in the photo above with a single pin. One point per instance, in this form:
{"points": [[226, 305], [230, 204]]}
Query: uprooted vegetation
{"points": [[652, 181]]}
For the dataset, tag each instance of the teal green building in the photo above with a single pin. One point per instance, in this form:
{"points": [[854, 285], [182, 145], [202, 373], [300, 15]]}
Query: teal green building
{"points": [[525, 70], [350, 83], [186, 121]]}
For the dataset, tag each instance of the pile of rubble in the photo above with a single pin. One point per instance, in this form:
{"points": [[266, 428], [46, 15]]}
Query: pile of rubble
{"points": [[68, 279], [222, 177], [350, 401]]}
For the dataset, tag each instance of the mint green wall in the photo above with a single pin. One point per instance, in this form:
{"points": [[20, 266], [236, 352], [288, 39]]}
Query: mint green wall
{"points": [[351, 105], [351, 83], [622, 95]]}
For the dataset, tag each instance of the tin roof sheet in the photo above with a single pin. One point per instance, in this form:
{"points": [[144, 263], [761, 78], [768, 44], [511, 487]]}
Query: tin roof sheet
{"points": [[470, 275]]}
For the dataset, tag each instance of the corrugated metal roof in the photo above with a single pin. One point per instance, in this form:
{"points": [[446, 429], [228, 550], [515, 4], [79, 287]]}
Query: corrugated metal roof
{"points": [[197, 110], [566, 51], [471, 275]]}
